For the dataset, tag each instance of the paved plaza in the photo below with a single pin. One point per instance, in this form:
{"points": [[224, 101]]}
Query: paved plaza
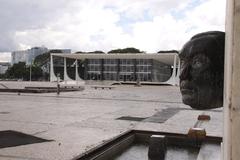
{"points": [[78, 121]]}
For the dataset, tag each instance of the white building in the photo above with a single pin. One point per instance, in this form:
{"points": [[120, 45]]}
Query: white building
{"points": [[34, 52], [3, 67], [18, 56], [28, 55]]}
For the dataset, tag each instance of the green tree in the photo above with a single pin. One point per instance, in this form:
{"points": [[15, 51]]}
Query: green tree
{"points": [[99, 52], [21, 71], [18, 71], [126, 50], [42, 59], [168, 51], [36, 72]]}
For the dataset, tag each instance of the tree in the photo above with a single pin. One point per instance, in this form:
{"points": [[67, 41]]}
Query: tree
{"points": [[21, 71], [168, 51], [42, 59], [126, 50], [100, 52], [18, 71], [79, 52], [36, 72], [97, 51]]}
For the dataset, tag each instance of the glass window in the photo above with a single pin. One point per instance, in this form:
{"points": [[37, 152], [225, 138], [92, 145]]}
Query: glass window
{"points": [[124, 68], [145, 68], [128, 69]]}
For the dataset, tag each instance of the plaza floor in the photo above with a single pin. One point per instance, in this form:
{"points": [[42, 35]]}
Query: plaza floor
{"points": [[78, 121]]}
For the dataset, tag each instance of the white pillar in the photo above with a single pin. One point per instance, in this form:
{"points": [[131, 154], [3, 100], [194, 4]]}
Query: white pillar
{"points": [[52, 74], [66, 78], [174, 67], [77, 75], [231, 138], [178, 72], [76, 70], [172, 80], [79, 80]]}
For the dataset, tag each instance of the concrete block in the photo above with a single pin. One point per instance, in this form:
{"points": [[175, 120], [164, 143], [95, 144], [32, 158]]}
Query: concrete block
{"points": [[157, 147]]}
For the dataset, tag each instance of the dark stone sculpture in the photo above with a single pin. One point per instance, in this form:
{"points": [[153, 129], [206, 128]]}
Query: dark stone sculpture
{"points": [[202, 70]]}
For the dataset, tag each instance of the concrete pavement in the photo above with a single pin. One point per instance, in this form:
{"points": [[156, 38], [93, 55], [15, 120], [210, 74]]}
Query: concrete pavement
{"points": [[79, 121]]}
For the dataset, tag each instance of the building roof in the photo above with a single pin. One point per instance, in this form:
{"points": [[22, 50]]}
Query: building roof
{"points": [[167, 58]]}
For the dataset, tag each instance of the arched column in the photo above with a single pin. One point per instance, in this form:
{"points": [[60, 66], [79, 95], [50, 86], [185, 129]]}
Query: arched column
{"points": [[53, 77], [174, 79], [66, 77]]}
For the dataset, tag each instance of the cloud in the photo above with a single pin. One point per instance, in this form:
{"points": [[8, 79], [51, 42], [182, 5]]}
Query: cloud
{"points": [[88, 25], [5, 56], [23, 15], [167, 32]]}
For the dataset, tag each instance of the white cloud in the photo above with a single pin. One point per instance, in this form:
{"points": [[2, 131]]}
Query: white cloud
{"points": [[89, 25], [167, 32], [207, 16], [5, 56]]}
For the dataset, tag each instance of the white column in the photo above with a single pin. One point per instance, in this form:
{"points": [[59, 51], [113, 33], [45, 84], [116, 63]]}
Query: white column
{"points": [[76, 70], [76, 73], [79, 80], [172, 79], [174, 67], [52, 74], [66, 78], [231, 138], [178, 72]]}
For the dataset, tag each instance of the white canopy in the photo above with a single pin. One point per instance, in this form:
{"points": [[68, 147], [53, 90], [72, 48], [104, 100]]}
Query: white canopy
{"points": [[167, 58]]}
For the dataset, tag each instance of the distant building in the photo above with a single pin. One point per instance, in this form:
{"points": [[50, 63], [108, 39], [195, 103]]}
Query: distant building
{"points": [[3, 67], [29, 55], [118, 67], [18, 56], [34, 52]]}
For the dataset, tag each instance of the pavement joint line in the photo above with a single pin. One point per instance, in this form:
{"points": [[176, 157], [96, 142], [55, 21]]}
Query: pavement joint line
{"points": [[107, 99], [19, 157], [28, 122]]}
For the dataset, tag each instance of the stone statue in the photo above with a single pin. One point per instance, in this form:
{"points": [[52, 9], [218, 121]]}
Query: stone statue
{"points": [[202, 70]]}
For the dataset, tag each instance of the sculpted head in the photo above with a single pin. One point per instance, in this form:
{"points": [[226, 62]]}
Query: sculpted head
{"points": [[202, 70]]}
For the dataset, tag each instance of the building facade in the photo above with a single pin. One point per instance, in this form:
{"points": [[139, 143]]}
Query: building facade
{"points": [[154, 67], [126, 70]]}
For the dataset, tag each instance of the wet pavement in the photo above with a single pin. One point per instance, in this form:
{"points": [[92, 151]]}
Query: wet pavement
{"points": [[79, 121]]}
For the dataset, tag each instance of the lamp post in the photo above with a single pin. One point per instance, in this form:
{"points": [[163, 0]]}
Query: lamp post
{"points": [[30, 74]]}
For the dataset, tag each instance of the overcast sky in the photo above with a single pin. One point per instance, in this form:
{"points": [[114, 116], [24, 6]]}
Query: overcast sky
{"points": [[88, 25]]}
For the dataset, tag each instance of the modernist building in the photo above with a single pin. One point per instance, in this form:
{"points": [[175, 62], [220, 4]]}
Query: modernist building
{"points": [[126, 70], [120, 67]]}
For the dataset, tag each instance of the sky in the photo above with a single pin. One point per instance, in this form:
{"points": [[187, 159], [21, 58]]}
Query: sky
{"points": [[89, 25]]}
